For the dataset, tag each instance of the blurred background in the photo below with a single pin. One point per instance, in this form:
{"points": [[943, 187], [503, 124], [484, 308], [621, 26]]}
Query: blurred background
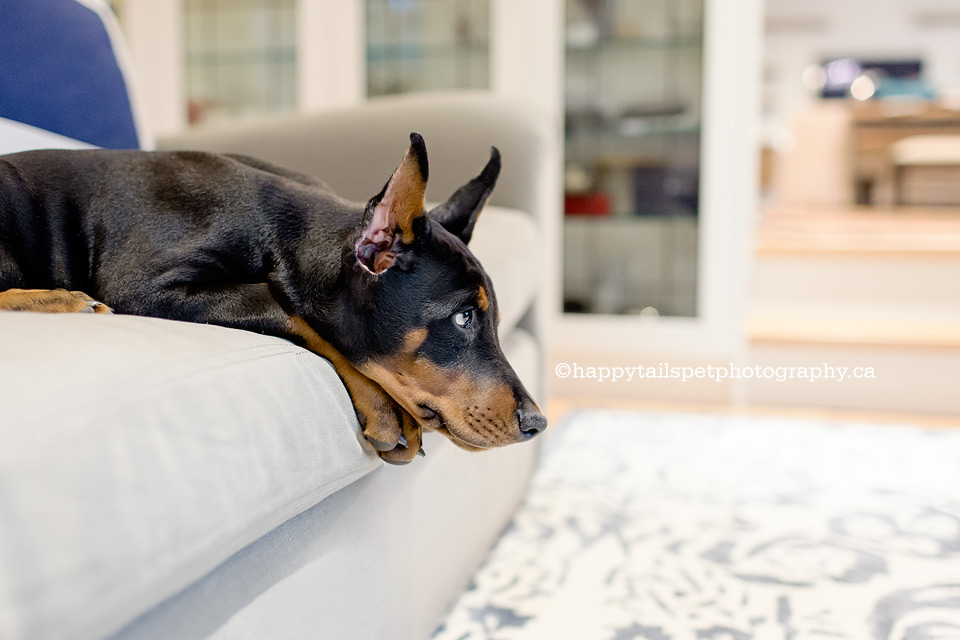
{"points": [[737, 183]]}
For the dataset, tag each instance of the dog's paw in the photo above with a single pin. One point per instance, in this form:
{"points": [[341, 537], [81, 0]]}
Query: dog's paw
{"points": [[63, 301], [51, 301], [410, 443], [388, 428], [86, 304], [393, 433]]}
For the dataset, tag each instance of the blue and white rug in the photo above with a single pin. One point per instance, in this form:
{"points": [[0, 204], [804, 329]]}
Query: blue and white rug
{"points": [[667, 527]]}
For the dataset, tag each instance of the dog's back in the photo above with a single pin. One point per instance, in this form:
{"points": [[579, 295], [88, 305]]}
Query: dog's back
{"points": [[95, 220]]}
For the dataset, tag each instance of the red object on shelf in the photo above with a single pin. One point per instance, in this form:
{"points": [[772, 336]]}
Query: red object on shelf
{"points": [[586, 204]]}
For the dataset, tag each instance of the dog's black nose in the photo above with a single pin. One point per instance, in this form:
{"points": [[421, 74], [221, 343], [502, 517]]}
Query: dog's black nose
{"points": [[531, 421]]}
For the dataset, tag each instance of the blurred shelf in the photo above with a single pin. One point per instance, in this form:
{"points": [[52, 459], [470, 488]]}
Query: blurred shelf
{"points": [[629, 153], [636, 43], [640, 129], [253, 56], [216, 9], [390, 52], [585, 223]]}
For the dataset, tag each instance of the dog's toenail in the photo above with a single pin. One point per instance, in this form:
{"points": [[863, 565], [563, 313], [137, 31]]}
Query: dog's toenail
{"points": [[402, 442], [379, 445], [422, 453]]}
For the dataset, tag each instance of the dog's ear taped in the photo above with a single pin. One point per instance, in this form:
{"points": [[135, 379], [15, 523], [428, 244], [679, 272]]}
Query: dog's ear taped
{"points": [[459, 214], [389, 224]]}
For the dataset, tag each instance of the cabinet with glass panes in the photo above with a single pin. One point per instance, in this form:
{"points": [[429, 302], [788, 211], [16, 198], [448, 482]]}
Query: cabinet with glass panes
{"points": [[424, 45], [240, 58], [632, 156]]}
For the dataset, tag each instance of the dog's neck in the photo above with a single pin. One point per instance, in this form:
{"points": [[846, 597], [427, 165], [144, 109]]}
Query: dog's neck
{"points": [[311, 270]]}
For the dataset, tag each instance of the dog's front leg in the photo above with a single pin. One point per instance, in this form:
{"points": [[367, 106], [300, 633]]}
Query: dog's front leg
{"points": [[50, 301]]}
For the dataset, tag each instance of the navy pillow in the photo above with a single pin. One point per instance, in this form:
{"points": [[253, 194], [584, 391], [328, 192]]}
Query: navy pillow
{"points": [[59, 72]]}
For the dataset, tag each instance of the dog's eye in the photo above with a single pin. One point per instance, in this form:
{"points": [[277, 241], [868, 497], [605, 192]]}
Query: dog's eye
{"points": [[463, 319]]}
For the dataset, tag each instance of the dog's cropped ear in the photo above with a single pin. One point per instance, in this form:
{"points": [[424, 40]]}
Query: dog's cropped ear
{"points": [[458, 215], [391, 219]]}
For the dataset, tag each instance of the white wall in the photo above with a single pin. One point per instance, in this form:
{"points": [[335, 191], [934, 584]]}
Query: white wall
{"points": [[331, 64], [803, 33], [154, 35]]}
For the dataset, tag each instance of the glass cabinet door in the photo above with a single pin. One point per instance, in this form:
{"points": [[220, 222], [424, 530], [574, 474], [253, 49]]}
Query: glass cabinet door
{"points": [[240, 57], [425, 45], [632, 159]]}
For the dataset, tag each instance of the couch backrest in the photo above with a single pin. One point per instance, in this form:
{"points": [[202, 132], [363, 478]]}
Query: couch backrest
{"points": [[356, 150]]}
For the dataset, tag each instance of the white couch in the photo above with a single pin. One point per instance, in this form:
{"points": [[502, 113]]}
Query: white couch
{"points": [[169, 480]]}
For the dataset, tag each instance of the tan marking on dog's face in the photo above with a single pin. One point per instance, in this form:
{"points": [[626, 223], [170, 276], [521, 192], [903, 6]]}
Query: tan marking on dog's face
{"points": [[483, 302], [413, 340], [476, 413]]}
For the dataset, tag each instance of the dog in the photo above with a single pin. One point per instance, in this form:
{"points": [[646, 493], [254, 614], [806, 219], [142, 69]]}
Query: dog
{"points": [[385, 290]]}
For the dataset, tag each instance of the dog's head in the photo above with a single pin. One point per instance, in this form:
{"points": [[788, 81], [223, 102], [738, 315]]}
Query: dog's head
{"points": [[429, 311]]}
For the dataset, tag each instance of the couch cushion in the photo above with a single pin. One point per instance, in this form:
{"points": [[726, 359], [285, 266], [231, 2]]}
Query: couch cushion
{"points": [[137, 454], [16, 137], [510, 247]]}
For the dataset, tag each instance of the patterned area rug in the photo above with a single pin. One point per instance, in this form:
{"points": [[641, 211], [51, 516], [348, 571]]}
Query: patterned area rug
{"points": [[666, 527]]}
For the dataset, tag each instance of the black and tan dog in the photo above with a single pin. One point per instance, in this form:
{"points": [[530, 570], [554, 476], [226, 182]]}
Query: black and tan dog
{"points": [[388, 292]]}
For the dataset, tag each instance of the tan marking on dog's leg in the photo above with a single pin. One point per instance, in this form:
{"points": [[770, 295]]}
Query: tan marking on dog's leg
{"points": [[382, 420], [50, 301]]}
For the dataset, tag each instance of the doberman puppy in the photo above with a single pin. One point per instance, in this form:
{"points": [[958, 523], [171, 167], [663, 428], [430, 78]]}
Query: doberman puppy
{"points": [[387, 292]]}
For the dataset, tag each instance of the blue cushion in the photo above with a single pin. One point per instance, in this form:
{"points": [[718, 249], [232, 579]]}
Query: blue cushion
{"points": [[59, 72]]}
